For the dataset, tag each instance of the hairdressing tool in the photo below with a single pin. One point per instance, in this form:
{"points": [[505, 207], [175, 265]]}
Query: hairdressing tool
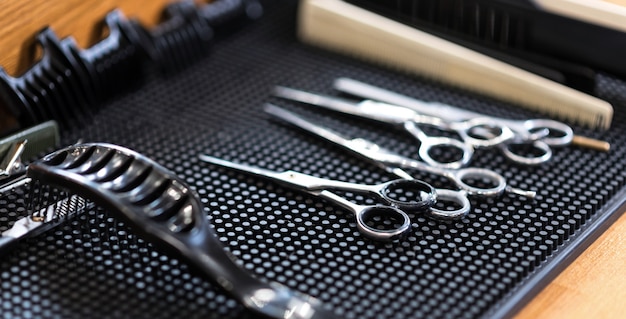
{"points": [[24, 145], [476, 132], [58, 207], [560, 134], [393, 162], [586, 33], [341, 26], [424, 193], [164, 208], [406, 118]]}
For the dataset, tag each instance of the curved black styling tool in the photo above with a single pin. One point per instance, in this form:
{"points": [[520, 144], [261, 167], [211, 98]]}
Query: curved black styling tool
{"points": [[163, 207]]}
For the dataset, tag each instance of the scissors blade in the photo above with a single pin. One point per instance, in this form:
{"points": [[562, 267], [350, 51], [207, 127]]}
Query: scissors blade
{"points": [[373, 110], [290, 178], [364, 148], [239, 167], [446, 112]]}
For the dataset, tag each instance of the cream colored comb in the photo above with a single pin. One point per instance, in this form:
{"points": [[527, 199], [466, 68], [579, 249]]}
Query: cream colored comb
{"points": [[339, 26]]}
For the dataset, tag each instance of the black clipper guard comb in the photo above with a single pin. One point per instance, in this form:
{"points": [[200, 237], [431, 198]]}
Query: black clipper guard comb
{"points": [[160, 205]]}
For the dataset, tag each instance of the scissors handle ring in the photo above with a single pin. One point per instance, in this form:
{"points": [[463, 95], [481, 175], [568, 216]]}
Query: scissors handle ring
{"points": [[567, 134], [447, 195], [367, 212], [483, 127], [460, 176], [546, 154], [425, 193], [430, 142]]}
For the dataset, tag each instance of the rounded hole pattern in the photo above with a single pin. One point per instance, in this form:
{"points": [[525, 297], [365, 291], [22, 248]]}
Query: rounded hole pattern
{"points": [[94, 266]]}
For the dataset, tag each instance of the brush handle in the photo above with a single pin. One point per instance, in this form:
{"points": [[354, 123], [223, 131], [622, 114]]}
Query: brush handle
{"points": [[161, 206]]}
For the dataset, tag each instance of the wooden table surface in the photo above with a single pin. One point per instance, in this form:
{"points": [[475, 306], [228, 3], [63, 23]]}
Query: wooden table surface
{"points": [[594, 286]]}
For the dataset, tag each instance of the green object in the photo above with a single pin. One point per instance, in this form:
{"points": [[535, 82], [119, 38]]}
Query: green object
{"points": [[39, 138]]}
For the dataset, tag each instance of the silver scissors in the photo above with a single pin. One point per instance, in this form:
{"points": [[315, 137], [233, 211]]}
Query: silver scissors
{"points": [[396, 193], [391, 114], [394, 163], [471, 126]]}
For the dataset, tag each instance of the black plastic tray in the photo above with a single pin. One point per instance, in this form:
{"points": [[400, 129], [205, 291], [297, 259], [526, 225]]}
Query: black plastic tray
{"points": [[487, 265]]}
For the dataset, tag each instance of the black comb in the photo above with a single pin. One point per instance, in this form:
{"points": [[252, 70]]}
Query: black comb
{"points": [[161, 205], [516, 32]]}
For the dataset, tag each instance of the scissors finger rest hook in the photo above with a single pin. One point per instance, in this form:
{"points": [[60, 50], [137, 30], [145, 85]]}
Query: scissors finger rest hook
{"points": [[429, 143]]}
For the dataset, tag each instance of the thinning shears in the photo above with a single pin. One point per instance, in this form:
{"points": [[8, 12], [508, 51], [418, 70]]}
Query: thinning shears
{"points": [[401, 195], [394, 163], [477, 129], [404, 117]]}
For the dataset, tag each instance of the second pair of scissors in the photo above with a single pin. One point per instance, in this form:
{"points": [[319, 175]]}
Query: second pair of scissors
{"points": [[476, 130], [401, 195], [542, 134]]}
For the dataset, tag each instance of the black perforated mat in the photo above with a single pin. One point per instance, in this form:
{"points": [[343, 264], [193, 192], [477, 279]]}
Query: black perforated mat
{"points": [[93, 266]]}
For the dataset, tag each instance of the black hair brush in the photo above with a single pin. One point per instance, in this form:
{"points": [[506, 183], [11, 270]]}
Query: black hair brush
{"points": [[161, 205]]}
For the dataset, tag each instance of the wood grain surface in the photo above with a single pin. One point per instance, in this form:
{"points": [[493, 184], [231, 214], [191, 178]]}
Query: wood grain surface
{"points": [[82, 19], [594, 286]]}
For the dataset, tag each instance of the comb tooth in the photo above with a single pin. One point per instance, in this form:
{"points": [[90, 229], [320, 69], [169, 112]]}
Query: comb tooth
{"points": [[486, 22], [456, 16], [476, 20], [505, 28]]}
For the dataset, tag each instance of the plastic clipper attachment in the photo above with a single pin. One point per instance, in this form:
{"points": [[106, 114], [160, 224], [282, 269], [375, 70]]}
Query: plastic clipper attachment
{"points": [[68, 83], [115, 64], [52, 89], [181, 39], [161, 205], [125, 182], [226, 16]]}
